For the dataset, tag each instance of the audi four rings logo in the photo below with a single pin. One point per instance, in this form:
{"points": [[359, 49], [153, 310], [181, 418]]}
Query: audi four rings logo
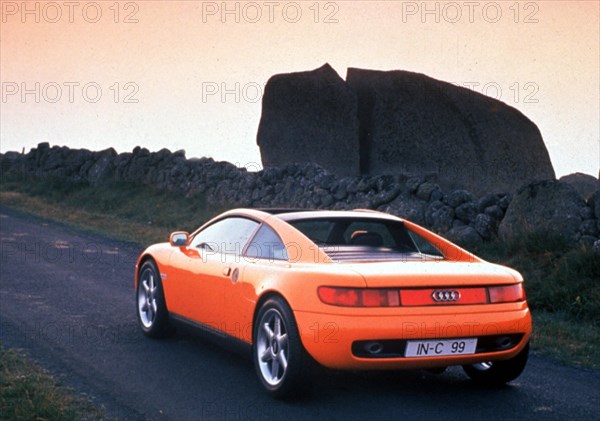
{"points": [[445, 295]]}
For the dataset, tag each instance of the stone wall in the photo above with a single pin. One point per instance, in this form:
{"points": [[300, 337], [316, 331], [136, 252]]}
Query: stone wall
{"points": [[458, 214]]}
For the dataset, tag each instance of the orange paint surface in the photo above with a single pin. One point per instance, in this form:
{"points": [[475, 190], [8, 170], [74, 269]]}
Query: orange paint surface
{"points": [[221, 291]]}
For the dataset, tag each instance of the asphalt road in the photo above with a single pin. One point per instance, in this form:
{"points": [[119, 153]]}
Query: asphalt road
{"points": [[67, 298]]}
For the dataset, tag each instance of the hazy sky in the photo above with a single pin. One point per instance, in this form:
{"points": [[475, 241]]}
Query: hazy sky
{"points": [[190, 74]]}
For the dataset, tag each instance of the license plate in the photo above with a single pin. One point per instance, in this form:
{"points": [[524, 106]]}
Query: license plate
{"points": [[435, 348]]}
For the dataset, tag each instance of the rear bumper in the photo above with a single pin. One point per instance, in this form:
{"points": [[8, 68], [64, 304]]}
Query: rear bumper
{"points": [[337, 341]]}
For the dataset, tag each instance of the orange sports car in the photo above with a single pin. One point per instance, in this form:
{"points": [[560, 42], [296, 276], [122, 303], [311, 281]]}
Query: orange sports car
{"points": [[356, 290]]}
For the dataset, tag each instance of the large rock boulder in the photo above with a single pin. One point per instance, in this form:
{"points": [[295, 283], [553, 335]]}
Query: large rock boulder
{"points": [[585, 184], [310, 117], [400, 123], [547, 207], [594, 204], [413, 124]]}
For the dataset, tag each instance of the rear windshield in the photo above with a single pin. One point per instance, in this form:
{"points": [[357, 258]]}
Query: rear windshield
{"points": [[368, 239]]}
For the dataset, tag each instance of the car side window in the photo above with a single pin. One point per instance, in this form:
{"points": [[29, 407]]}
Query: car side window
{"points": [[425, 246], [266, 244], [227, 236]]}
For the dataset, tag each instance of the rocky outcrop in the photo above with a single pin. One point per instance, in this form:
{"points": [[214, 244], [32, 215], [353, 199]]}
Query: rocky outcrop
{"points": [[459, 214], [310, 117], [547, 207], [399, 123], [411, 123], [585, 184]]}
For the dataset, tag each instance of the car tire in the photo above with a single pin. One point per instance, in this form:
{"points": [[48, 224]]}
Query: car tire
{"points": [[152, 313], [498, 373], [281, 362]]}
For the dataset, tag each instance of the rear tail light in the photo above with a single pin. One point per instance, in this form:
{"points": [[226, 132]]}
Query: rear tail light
{"points": [[359, 297], [386, 297], [507, 293]]}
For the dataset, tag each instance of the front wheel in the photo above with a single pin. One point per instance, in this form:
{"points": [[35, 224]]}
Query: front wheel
{"points": [[279, 357], [497, 373], [152, 313]]}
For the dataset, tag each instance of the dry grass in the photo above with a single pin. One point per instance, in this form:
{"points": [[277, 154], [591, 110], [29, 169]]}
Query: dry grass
{"points": [[27, 392], [130, 231], [576, 344]]}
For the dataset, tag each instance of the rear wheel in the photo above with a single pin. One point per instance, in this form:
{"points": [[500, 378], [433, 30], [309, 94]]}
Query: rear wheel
{"points": [[152, 313], [496, 373], [279, 357]]}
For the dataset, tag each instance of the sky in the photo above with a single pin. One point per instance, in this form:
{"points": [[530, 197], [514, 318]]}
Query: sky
{"points": [[190, 74]]}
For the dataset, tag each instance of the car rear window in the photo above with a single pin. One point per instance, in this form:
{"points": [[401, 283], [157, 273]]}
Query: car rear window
{"points": [[353, 239]]}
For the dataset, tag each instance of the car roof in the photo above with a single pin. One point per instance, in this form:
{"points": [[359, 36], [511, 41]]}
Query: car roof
{"points": [[289, 215]]}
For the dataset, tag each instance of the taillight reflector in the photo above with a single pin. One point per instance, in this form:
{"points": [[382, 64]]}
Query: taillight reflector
{"points": [[507, 293], [359, 297]]}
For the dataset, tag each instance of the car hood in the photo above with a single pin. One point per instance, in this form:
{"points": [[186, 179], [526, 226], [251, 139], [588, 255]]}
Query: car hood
{"points": [[432, 273]]}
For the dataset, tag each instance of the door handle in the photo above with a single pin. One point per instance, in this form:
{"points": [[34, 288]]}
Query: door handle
{"points": [[227, 271]]}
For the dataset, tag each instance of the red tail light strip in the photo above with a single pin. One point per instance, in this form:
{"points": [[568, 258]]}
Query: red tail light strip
{"points": [[507, 293], [359, 297], [391, 297]]}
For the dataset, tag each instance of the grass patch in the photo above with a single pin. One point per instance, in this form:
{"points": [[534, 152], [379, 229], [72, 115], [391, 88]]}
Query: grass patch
{"points": [[558, 279], [561, 283], [27, 392], [559, 337], [124, 211]]}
